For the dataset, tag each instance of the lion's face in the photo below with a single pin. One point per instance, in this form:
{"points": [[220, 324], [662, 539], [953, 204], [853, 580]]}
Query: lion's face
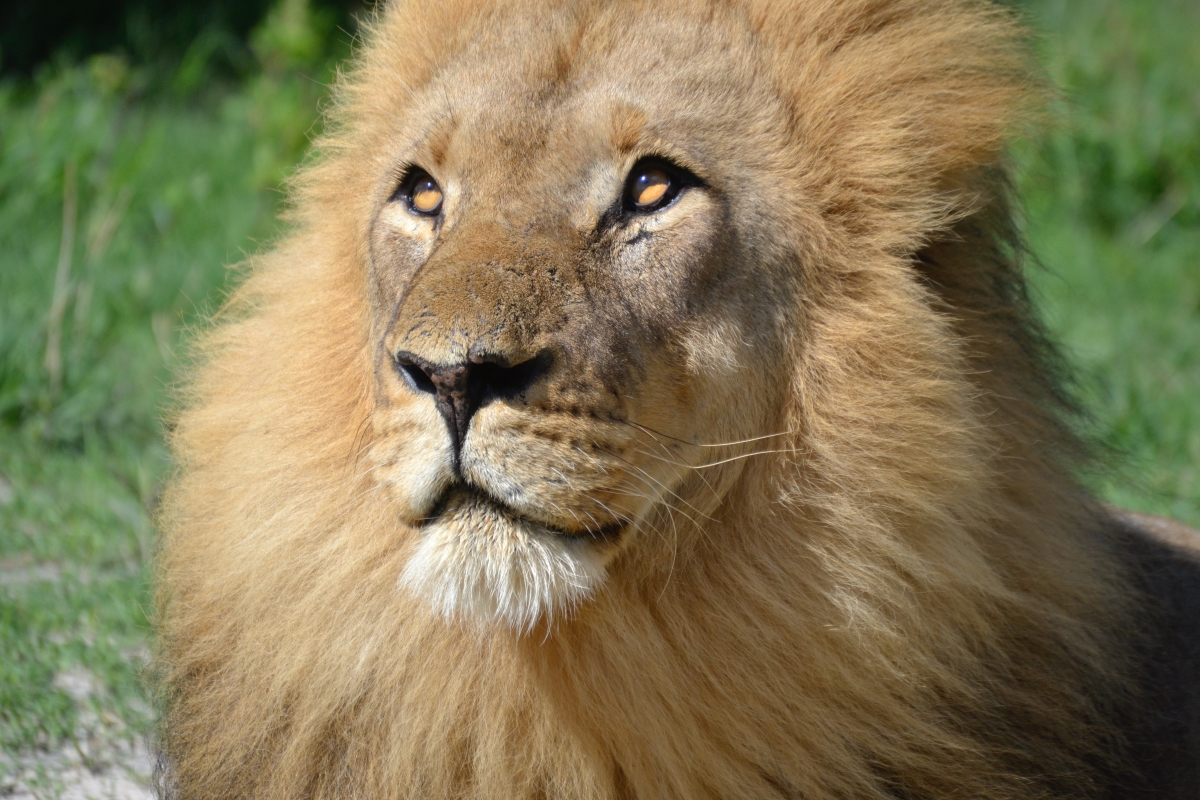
{"points": [[573, 302]]}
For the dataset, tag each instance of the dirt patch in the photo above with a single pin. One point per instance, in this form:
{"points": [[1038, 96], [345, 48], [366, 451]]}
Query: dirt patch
{"points": [[104, 760], [121, 772]]}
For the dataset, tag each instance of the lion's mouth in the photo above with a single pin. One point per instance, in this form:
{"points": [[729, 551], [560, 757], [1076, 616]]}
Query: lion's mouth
{"points": [[479, 558], [464, 501]]}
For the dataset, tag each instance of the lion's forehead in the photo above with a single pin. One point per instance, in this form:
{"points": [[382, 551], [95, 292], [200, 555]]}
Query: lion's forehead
{"points": [[548, 99]]}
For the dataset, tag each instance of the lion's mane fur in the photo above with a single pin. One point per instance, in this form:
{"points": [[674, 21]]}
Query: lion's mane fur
{"points": [[905, 596]]}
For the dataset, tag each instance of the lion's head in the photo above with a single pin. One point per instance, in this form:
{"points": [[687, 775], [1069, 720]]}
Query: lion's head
{"points": [[595, 259], [690, 338], [583, 286]]}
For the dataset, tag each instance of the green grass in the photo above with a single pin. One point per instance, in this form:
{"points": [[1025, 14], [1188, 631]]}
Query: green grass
{"points": [[162, 192], [1113, 205], [170, 187]]}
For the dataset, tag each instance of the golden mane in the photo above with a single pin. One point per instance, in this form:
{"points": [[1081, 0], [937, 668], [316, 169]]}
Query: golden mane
{"points": [[904, 595]]}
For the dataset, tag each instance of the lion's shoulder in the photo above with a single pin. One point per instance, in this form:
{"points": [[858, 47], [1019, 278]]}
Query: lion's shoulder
{"points": [[1163, 529], [1164, 731]]}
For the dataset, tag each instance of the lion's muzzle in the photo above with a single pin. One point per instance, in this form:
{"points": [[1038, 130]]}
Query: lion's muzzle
{"points": [[460, 389]]}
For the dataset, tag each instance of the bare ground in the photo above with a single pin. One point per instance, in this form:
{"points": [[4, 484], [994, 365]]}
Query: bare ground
{"points": [[104, 760]]}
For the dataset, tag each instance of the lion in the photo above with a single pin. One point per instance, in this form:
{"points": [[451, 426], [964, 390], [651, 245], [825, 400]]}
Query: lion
{"points": [[646, 402]]}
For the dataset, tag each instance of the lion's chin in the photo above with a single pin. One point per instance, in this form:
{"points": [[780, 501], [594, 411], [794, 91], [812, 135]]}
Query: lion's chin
{"points": [[478, 562]]}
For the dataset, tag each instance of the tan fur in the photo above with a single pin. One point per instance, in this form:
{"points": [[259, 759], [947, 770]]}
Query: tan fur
{"points": [[853, 561]]}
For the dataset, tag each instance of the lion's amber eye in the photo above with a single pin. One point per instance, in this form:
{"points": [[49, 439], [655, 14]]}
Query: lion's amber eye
{"points": [[427, 196], [648, 187], [424, 195], [652, 184]]}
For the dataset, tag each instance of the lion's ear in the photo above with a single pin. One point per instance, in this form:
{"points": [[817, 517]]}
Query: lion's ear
{"points": [[900, 104]]}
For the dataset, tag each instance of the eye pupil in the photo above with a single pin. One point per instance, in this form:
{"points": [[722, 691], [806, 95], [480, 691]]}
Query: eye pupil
{"points": [[425, 196], [649, 186]]}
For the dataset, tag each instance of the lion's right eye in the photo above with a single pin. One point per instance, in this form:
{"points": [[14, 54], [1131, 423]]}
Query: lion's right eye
{"points": [[421, 193]]}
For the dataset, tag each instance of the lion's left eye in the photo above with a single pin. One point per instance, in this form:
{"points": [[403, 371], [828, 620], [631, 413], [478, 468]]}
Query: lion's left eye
{"points": [[652, 184], [649, 187]]}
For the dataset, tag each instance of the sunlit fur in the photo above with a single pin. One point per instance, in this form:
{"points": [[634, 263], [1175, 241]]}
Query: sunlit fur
{"points": [[888, 586]]}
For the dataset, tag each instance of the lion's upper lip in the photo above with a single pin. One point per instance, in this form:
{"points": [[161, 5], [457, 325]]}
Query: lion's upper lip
{"points": [[607, 531]]}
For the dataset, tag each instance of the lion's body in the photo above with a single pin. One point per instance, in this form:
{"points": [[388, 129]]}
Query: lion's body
{"points": [[828, 543], [1161, 727]]}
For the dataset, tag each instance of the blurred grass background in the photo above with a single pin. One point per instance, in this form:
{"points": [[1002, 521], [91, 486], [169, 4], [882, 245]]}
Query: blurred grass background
{"points": [[130, 178]]}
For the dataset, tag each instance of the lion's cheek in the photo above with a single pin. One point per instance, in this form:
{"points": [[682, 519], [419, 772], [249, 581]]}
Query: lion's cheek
{"points": [[411, 458], [518, 463], [563, 471]]}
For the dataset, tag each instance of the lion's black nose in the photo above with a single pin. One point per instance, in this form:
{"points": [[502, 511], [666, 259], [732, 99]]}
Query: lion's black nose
{"points": [[460, 389]]}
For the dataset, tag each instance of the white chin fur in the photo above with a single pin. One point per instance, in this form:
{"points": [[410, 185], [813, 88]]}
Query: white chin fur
{"points": [[477, 564]]}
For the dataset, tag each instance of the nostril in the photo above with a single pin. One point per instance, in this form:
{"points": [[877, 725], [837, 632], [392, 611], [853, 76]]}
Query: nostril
{"points": [[492, 375], [414, 374], [460, 389]]}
